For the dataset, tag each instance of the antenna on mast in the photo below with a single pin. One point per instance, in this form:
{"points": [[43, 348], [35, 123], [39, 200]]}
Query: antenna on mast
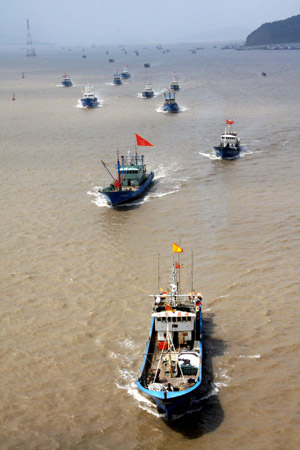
{"points": [[158, 273], [192, 271], [30, 48]]}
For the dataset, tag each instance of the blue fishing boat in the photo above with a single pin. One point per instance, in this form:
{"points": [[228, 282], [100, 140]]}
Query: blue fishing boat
{"points": [[132, 179], [174, 86], [172, 366], [117, 79], [229, 147], [89, 100], [146, 64], [66, 81], [125, 73], [170, 104], [148, 91]]}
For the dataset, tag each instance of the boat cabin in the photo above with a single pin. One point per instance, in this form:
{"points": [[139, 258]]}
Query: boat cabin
{"points": [[229, 139], [170, 322], [132, 171]]}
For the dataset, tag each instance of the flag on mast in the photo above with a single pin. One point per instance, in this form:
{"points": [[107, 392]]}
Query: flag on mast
{"points": [[177, 249], [229, 122], [142, 142]]}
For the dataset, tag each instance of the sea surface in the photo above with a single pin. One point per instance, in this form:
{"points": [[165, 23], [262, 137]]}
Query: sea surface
{"points": [[76, 275]]}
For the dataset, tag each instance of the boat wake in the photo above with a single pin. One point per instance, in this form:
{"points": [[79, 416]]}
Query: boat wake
{"points": [[98, 199], [212, 156], [127, 382], [181, 109]]}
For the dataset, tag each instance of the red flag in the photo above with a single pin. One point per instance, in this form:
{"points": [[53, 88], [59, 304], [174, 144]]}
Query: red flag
{"points": [[229, 122], [178, 266], [177, 249], [169, 308], [142, 142]]}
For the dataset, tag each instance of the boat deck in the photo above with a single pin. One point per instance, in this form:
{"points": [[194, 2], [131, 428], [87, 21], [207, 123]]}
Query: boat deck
{"points": [[160, 369]]}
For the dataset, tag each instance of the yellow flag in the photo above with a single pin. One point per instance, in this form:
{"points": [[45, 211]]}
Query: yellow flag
{"points": [[177, 249]]}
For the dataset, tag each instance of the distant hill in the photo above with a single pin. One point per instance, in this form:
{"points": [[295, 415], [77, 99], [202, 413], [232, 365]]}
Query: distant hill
{"points": [[279, 32]]}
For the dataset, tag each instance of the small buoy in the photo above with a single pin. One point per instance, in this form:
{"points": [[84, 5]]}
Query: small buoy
{"points": [[13, 97]]}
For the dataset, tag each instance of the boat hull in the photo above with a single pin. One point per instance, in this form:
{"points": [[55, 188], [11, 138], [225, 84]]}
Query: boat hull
{"points": [[147, 94], [171, 403], [174, 87], [89, 103], [117, 82], [125, 75], [67, 83], [116, 198], [171, 108], [227, 152]]}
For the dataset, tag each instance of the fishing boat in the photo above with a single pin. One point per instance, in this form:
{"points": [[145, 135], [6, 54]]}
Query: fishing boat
{"points": [[174, 84], [172, 366], [229, 147], [66, 81], [132, 179], [148, 91], [170, 104], [125, 73], [89, 100], [111, 60], [146, 64], [117, 78]]}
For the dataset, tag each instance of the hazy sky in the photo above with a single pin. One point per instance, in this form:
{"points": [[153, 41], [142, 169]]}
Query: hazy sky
{"points": [[137, 21]]}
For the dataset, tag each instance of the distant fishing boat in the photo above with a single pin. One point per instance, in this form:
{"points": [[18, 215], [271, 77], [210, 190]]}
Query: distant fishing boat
{"points": [[111, 60], [13, 97], [264, 74], [117, 78], [132, 180], [146, 64], [229, 147], [66, 81], [23, 75], [170, 104], [148, 91], [174, 84], [89, 99], [125, 73], [172, 367]]}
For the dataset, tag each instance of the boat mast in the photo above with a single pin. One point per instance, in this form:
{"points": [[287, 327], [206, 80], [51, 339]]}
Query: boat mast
{"points": [[108, 170], [158, 273], [119, 174], [192, 272]]}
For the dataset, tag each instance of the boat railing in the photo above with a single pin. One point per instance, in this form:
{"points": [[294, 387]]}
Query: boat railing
{"points": [[134, 160]]}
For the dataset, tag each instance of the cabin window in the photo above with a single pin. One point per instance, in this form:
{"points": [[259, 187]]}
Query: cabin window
{"points": [[189, 319], [169, 319], [173, 319]]}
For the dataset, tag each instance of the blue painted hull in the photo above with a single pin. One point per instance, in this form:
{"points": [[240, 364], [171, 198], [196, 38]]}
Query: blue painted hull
{"points": [[174, 87], [170, 402], [89, 103], [67, 83], [125, 75], [147, 94], [117, 82], [227, 152], [120, 197], [172, 108]]}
